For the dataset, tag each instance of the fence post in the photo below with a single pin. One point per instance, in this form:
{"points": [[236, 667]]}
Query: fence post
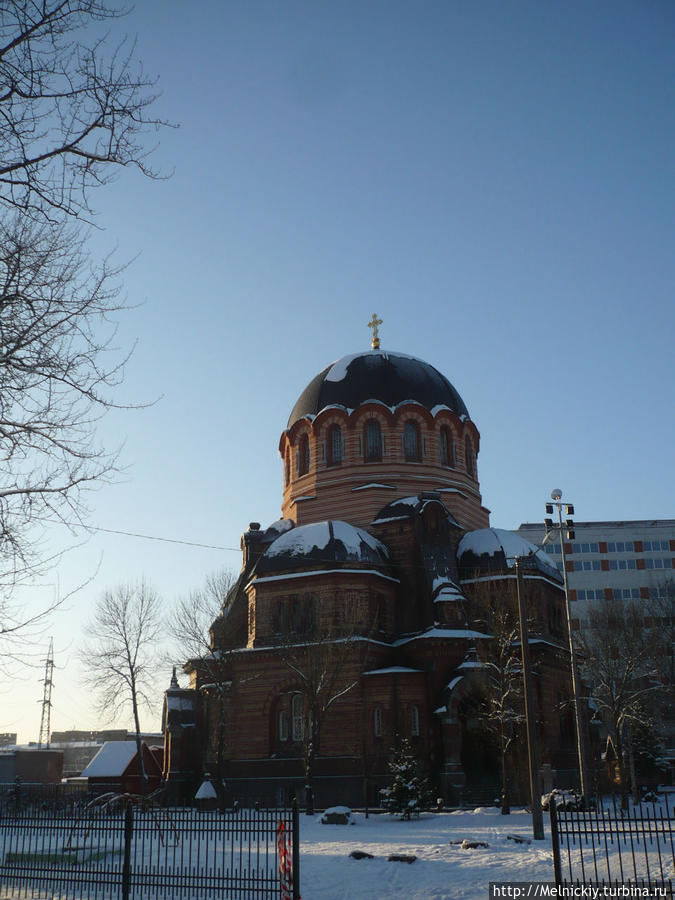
{"points": [[555, 843], [296, 850], [128, 831]]}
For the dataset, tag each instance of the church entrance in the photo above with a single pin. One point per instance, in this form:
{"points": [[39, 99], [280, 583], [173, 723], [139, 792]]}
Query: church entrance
{"points": [[479, 756]]}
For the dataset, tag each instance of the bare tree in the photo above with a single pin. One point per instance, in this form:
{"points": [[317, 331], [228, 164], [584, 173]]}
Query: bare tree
{"points": [[501, 694], [72, 114], [121, 653], [620, 664], [497, 700], [74, 108], [319, 654], [189, 627]]}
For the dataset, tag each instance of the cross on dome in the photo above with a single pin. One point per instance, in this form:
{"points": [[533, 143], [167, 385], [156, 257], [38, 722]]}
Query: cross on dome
{"points": [[374, 322]]}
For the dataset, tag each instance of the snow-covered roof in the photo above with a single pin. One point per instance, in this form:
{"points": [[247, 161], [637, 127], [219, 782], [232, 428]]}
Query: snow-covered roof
{"points": [[391, 670], [374, 484], [206, 791], [466, 633], [302, 540], [112, 760], [318, 573], [508, 545]]}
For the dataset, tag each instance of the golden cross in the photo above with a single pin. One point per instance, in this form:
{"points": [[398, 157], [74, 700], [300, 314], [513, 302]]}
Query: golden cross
{"points": [[374, 322]]}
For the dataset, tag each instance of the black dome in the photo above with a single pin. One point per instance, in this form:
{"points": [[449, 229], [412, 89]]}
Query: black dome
{"points": [[380, 375]]}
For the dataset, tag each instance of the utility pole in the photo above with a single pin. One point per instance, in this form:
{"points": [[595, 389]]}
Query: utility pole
{"points": [[45, 721], [532, 740]]}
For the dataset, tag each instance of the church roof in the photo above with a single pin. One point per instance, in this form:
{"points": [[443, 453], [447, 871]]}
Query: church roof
{"points": [[326, 544], [384, 376]]}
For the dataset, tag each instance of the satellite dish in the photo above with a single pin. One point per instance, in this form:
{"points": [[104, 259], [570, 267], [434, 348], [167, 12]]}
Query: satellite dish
{"points": [[556, 494]]}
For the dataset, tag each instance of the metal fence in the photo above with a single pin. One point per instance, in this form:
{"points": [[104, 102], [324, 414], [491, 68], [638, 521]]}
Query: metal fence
{"points": [[111, 850], [605, 846]]}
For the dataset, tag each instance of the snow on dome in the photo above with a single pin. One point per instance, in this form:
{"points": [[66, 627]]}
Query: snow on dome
{"points": [[338, 370], [331, 541], [502, 546], [380, 376]]}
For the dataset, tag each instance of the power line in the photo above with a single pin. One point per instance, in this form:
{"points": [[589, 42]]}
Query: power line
{"points": [[147, 537]]}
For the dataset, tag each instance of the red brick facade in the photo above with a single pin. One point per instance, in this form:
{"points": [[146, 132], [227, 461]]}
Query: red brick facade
{"points": [[381, 608]]}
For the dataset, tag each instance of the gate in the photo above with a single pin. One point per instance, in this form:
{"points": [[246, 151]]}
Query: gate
{"points": [[123, 852], [604, 846]]}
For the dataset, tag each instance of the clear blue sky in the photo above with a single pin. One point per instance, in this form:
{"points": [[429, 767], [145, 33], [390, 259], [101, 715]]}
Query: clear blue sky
{"points": [[495, 180]]}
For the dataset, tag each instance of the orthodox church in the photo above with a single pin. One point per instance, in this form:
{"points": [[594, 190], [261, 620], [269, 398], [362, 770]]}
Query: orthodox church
{"points": [[370, 611]]}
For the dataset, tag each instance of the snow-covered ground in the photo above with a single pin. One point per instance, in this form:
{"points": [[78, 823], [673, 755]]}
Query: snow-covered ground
{"points": [[443, 869]]}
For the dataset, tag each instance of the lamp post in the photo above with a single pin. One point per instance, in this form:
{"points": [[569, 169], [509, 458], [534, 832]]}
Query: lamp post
{"points": [[532, 743], [568, 531]]}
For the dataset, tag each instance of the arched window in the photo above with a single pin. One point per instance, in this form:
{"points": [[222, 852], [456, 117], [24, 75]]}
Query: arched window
{"points": [[373, 441], [468, 457], [334, 448], [283, 725], [411, 442], [298, 717], [377, 721], [288, 466], [303, 455], [414, 721], [447, 447]]}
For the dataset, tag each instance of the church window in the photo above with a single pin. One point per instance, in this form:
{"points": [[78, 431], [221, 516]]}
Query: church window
{"points": [[414, 721], [288, 466], [303, 455], [468, 457], [377, 721], [334, 456], [283, 725], [447, 447], [373, 441], [298, 717], [411, 442]]}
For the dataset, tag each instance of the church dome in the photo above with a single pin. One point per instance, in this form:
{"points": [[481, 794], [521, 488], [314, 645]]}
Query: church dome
{"points": [[494, 550], [390, 378], [327, 545]]}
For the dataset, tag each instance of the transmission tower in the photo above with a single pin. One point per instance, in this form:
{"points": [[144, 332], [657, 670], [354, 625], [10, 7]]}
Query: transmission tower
{"points": [[45, 721]]}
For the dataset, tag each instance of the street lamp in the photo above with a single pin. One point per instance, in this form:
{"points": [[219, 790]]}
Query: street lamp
{"points": [[567, 532]]}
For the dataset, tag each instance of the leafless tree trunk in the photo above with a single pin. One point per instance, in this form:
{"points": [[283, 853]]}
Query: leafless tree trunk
{"points": [[121, 653], [189, 625], [500, 700], [619, 663], [319, 656]]}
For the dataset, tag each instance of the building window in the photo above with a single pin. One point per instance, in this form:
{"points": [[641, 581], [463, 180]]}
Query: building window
{"points": [[288, 466], [447, 447], [283, 725], [411, 442], [303, 455], [373, 441], [468, 457], [377, 721], [334, 454], [414, 721], [298, 717]]}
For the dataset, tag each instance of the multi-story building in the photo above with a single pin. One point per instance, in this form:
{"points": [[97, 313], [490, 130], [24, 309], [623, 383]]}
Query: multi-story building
{"points": [[630, 560]]}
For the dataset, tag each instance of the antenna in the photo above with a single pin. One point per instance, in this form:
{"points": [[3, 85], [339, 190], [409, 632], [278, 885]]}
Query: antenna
{"points": [[45, 721]]}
